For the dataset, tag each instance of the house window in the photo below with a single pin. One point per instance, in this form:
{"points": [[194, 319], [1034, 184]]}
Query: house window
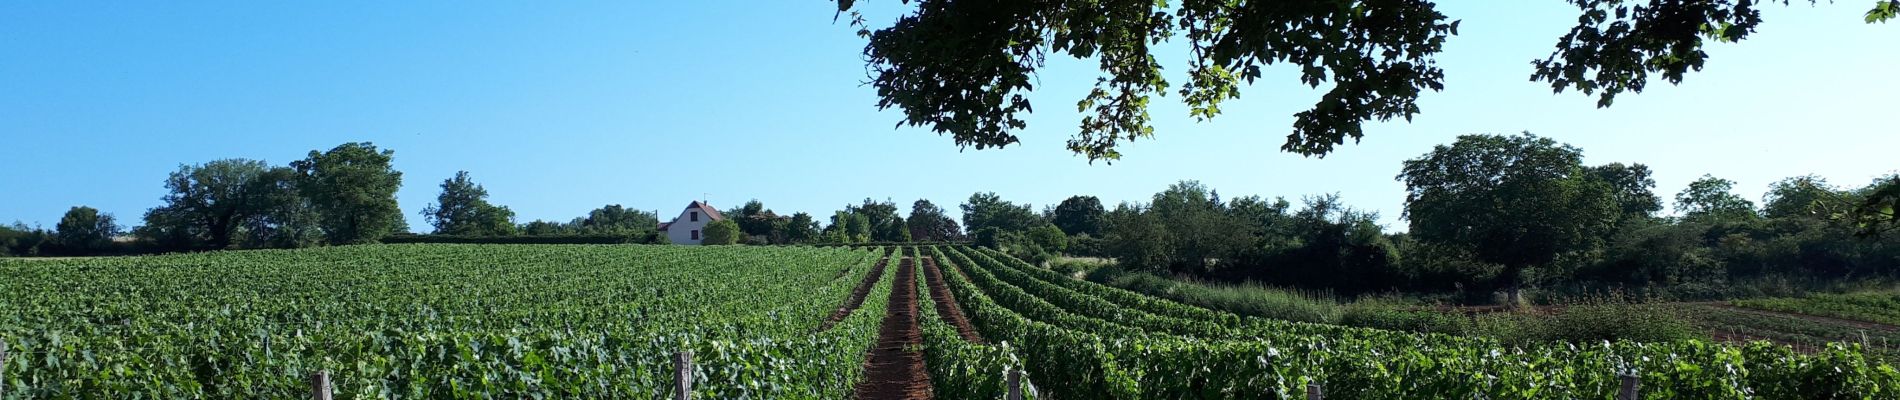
{"points": [[695, 219], [695, 234]]}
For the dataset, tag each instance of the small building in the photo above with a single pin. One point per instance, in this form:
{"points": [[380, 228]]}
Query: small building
{"points": [[686, 228]]}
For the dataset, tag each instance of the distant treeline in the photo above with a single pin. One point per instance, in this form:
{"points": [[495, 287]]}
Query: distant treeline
{"points": [[1487, 214], [643, 238], [346, 195]]}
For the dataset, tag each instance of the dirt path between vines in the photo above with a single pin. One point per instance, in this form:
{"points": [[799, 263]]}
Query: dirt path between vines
{"points": [[947, 304], [894, 369], [856, 298]]}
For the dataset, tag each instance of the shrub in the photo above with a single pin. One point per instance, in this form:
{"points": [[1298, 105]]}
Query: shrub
{"points": [[1083, 245], [1613, 321], [721, 232], [1072, 266], [1391, 316]]}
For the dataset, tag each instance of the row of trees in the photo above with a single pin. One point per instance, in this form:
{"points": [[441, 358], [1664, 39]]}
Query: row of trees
{"points": [[346, 195], [869, 221], [1495, 213], [1486, 213], [83, 230], [865, 222]]}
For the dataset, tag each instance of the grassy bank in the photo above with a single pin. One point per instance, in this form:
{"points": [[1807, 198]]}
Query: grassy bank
{"points": [[1590, 320]]}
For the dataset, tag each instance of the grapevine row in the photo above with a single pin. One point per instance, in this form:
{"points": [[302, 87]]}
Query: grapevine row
{"points": [[1374, 364], [428, 321], [960, 369]]}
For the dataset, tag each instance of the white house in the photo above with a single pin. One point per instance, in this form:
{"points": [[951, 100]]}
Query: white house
{"points": [[685, 228]]}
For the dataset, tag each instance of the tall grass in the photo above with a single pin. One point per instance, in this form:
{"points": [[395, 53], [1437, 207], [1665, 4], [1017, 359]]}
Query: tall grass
{"points": [[1608, 316], [1244, 299], [1586, 321]]}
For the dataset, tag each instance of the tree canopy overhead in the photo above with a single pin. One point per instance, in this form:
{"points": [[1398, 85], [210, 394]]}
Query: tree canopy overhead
{"points": [[965, 67]]}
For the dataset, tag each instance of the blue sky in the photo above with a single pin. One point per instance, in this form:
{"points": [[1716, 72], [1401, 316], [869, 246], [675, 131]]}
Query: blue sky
{"points": [[561, 107]]}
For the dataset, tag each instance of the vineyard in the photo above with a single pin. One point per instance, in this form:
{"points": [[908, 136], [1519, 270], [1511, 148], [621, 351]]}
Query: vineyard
{"points": [[1083, 340], [603, 321], [438, 321]]}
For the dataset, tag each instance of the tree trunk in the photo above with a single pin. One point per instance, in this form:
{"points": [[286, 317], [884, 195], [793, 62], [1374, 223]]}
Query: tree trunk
{"points": [[220, 234], [1513, 285]]}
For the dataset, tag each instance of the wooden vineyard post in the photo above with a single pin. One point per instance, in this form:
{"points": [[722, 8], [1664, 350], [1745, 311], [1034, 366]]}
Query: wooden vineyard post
{"points": [[320, 385], [683, 375], [1014, 385], [3, 368], [1315, 392], [1631, 383]]}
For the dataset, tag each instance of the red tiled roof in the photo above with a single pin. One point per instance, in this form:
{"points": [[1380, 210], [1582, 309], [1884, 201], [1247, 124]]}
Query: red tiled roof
{"points": [[703, 208], [710, 211]]}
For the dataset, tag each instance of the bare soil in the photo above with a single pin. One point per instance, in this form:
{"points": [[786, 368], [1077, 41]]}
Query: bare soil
{"points": [[1719, 335], [856, 298], [1872, 326], [947, 304], [894, 368]]}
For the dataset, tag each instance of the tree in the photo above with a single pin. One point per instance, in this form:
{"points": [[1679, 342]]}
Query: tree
{"points": [[1515, 201], [928, 223], [546, 228], [1198, 223], [209, 203], [1049, 238], [1325, 245], [753, 218], [398, 225], [1631, 184], [760, 223], [848, 227], [286, 217], [83, 230], [353, 190], [615, 219], [721, 232], [1265, 220], [1877, 213], [895, 231], [463, 209], [884, 224], [1709, 199], [1079, 215], [1136, 238], [987, 210], [801, 229], [965, 68], [1804, 196], [22, 240]]}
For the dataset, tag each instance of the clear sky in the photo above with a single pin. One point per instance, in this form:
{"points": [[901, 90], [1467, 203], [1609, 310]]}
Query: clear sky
{"points": [[561, 107]]}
